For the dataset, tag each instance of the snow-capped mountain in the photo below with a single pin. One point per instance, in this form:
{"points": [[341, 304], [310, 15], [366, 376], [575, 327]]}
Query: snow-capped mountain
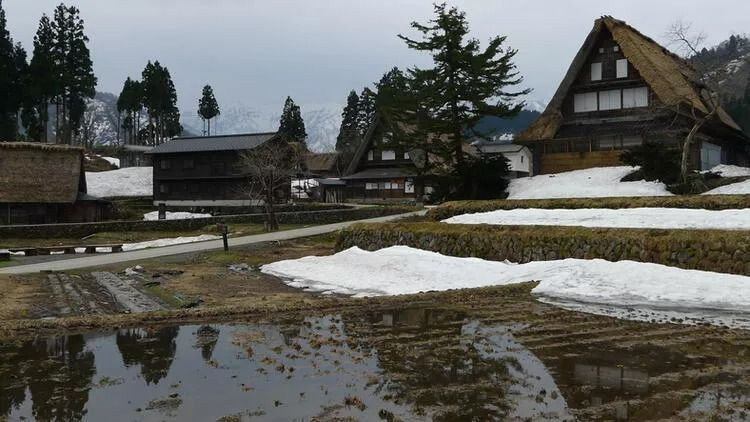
{"points": [[321, 122]]}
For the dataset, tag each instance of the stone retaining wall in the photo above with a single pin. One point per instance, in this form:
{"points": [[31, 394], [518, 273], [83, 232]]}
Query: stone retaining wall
{"points": [[85, 229], [709, 250]]}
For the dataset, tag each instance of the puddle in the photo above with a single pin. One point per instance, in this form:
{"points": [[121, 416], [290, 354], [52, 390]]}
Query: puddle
{"points": [[407, 364]]}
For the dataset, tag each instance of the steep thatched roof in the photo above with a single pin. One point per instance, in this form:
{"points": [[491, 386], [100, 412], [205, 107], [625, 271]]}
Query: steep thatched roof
{"points": [[322, 162], [672, 79], [40, 173]]}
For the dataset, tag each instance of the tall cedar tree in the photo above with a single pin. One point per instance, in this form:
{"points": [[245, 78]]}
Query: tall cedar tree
{"points": [[442, 105], [160, 100], [73, 70], [43, 83], [208, 107], [11, 83], [291, 125], [366, 110], [130, 102], [347, 139]]}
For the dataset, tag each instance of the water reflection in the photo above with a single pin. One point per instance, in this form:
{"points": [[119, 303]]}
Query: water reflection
{"points": [[410, 364]]}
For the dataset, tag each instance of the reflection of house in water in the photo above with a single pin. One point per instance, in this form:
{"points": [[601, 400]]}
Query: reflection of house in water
{"points": [[58, 374], [611, 377], [416, 317], [152, 349], [206, 338]]}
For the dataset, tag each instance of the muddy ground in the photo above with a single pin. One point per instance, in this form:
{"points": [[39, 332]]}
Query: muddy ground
{"points": [[604, 368]]}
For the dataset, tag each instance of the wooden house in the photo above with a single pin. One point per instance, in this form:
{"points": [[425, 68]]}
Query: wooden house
{"points": [[378, 172], [45, 184], [624, 89], [325, 165], [206, 171]]}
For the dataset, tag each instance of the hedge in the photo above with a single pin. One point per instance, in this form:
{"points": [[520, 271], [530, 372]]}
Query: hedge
{"points": [[709, 202], [80, 230], [710, 250]]}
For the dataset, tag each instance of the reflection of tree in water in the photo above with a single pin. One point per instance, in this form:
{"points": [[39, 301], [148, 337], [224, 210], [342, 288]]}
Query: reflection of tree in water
{"points": [[153, 349], [58, 373], [206, 338], [426, 363]]}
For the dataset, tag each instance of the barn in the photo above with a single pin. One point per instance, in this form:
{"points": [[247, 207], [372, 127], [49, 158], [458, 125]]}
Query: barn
{"points": [[45, 184], [621, 90]]}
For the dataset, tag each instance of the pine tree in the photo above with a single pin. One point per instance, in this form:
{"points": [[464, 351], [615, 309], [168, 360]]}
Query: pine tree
{"points": [[11, 84], [443, 104], [43, 84], [73, 71], [366, 111], [390, 87], [292, 126], [160, 101], [348, 132], [208, 107]]}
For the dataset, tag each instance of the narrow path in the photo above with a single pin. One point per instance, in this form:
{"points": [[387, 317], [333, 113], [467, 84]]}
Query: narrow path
{"points": [[116, 258]]}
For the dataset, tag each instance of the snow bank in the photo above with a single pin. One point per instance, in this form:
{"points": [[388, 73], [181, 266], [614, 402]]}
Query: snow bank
{"points": [[131, 181], [403, 270], [158, 243], [154, 215], [652, 218], [589, 183], [741, 188], [111, 160], [727, 170]]}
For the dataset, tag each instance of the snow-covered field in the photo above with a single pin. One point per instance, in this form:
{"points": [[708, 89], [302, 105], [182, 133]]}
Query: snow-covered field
{"points": [[653, 218], [589, 183], [154, 215], [131, 181], [403, 270]]}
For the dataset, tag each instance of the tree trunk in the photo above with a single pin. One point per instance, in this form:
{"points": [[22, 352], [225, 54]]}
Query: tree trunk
{"points": [[209, 127], [273, 224]]}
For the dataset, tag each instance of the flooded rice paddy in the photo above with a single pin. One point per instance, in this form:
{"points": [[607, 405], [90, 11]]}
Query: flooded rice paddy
{"points": [[412, 363]]}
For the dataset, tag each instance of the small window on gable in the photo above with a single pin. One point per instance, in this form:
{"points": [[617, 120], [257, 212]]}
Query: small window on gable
{"points": [[616, 49], [585, 102], [610, 100], [601, 50], [388, 155], [622, 68], [370, 155], [635, 97], [596, 71]]}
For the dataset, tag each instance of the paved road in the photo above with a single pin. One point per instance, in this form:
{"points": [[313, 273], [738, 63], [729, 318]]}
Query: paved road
{"points": [[116, 258]]}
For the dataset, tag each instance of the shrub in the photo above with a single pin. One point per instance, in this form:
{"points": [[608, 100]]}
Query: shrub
{"points": [[657, 161]]}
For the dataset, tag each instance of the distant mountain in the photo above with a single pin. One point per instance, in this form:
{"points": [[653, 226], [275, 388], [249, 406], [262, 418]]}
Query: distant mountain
{"points": [[497, 127], [321, 122]]}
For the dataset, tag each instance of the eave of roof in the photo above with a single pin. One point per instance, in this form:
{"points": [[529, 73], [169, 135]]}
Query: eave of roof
{"points": [[237, 142]]}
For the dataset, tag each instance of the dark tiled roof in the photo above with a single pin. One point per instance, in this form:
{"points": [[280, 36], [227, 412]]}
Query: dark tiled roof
{"points": [[381, 173], [330, 182], [213, 143]]}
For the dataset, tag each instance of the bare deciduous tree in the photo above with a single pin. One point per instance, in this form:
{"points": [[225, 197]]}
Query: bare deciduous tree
{"points": [[269, 169], [688, 43]]}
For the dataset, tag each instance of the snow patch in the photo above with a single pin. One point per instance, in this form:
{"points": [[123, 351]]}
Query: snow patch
{"points": [[114, 161], [131, 181], [652, 218], [741, 188], [159, 243], [728, 170], [597, 182], [404, 270], [154, 215]]}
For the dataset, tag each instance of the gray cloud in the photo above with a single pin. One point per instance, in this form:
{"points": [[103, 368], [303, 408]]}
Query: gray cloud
{"points": [[256, 53]]}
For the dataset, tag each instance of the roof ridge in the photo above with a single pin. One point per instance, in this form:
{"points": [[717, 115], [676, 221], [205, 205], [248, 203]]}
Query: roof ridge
{"points": [[226, 136]]}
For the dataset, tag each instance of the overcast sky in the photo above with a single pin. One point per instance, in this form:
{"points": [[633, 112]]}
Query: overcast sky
{"points": [[255, 53]]}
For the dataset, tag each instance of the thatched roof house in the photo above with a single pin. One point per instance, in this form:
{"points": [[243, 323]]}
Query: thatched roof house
{"points": [[622, 89], [42, 183], [327, 164]]}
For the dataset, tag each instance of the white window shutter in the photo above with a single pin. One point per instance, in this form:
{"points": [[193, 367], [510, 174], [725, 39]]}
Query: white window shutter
{"points": [[610, 100], [596, 71], [622, 68]]}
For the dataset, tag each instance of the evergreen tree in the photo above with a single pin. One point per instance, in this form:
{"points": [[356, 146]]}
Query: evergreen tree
{"points": [[11, 84], [292, 126], [441, 105], [73, 71], [208, 108], [130, 102], [43, 84], [160, 101], [390, 87], [348, 133], [366, 111]]}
